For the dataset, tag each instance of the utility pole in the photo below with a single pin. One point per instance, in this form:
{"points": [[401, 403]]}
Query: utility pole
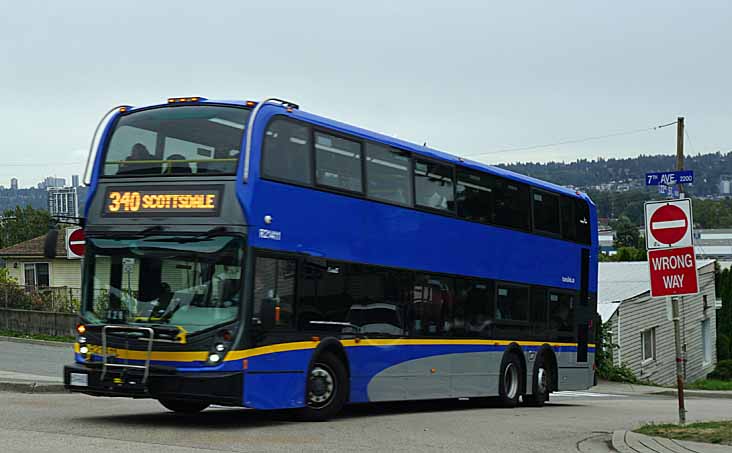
{"points": [[675, 300]]}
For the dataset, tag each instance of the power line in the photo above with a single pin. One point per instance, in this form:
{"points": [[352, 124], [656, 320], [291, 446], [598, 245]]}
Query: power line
{"points": [[577, 140]]}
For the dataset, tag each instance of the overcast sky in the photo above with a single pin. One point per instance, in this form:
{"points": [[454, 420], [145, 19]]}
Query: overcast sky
{"points": [[467, 77]]}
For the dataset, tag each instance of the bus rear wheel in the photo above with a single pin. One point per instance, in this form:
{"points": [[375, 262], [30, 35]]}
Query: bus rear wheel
{"points": [[509, 385], [541, 383], [184, 407], [326, 388]]}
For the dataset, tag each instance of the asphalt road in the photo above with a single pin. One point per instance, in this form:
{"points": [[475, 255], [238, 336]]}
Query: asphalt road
{"points": [[573, 421], [577, 422]]}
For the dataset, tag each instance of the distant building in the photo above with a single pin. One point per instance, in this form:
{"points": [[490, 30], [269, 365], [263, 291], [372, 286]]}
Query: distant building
{"points": [[725, 185], [642, 330], [14, 183], [74, 180], [63, 202], [52, 181]]}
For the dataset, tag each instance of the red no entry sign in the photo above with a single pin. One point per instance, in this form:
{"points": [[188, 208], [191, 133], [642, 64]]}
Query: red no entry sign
{"points": [[668, 224], [75, 243], [673, 272]]}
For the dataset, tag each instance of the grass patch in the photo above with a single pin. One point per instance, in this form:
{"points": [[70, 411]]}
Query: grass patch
{"points": [[709, 432], [710, 384], [30, 336]]}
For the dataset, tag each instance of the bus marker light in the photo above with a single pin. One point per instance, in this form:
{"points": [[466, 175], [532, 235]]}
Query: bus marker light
{"points": [[226, 335], [251, 103], [315, 338], [81, 328], [277, 313], [433, 370], [245, 364], [220, 347], [118, 380], [81, 340]]}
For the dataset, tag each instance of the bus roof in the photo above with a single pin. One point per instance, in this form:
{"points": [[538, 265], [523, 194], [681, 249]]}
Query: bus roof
{"points": [[408, 146]]}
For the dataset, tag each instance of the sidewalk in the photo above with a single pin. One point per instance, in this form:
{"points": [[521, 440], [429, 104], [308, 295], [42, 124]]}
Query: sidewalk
{"points": [[32, 366], [29, 383], [633, 389], [630, 442]]}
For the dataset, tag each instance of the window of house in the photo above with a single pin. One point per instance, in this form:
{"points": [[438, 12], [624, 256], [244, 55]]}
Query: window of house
{"points": [[474, 199], [512, 303], [274, 281], [648, 344], [706, 337], [286, 152], [511, 204], [546, 212], [388, 174], [433, 186], [338, 162], [37, 274]]}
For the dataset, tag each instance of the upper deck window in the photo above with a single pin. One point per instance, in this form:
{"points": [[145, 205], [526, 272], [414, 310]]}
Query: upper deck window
{"points": [[338, 162], [575, 220], [474, 196], [511, 204], [433, 185], [546, 211], [286, 153], [180, 140], [388, 174]]}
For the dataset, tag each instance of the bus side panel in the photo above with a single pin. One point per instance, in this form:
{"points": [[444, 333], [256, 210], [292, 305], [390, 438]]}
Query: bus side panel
{"points": [[276, 380]]}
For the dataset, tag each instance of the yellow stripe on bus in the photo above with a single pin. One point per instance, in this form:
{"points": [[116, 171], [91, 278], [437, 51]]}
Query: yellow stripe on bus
{"points": [[201, 356]]}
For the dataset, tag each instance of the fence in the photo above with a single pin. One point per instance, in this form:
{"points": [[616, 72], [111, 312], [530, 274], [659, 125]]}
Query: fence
{"points": [[62, 299], [39, 310]]}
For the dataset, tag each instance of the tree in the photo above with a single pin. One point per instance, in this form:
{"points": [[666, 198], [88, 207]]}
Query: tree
{"points": [[626, 233], [22, 224]]}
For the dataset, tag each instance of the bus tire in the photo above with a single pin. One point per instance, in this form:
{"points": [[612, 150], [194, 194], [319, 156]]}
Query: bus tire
{"points": [[325, 390], [541, 383], [184, 407], [509, 383]]}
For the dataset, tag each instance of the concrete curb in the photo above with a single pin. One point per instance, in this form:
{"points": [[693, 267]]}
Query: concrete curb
{"points": [[697, 393], [31, 387], [631, 442], [58, 344]]}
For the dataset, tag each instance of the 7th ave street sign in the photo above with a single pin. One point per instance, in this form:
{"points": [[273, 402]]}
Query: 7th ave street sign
{"points": [[670, 178]]}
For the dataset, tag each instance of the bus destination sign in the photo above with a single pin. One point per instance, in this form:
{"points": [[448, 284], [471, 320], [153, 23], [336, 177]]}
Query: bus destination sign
{"points": [[162, 201]]}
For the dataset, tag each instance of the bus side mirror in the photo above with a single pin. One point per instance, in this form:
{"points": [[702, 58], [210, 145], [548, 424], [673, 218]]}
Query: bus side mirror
{"points": [[49, 245], [267, 316]]}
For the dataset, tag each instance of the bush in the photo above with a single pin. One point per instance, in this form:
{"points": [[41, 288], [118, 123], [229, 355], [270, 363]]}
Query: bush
{"points": [[723, 371]]}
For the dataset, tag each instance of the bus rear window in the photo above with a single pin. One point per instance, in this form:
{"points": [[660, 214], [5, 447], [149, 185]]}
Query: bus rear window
{"points": [[180, 140]]}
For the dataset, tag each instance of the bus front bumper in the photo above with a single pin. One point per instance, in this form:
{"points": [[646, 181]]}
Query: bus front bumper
{"points": [[224, 388]]}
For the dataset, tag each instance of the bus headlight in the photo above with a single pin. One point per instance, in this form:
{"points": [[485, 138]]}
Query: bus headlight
{"points": [[84, 349], [220, 347], [214, 358]]}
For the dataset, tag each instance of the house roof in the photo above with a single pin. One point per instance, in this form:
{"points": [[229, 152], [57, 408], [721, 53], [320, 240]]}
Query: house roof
{"points": [[618, 282], [33, 248]]}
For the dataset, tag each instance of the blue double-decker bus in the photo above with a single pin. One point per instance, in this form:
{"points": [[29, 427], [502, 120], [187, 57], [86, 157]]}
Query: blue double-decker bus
{"points": [[252, 254]]}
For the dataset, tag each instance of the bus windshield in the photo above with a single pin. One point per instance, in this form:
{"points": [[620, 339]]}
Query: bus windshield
{"points": [[191, 282], [178, 140]]}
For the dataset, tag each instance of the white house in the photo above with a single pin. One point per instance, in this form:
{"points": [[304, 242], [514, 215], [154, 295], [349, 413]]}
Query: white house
{"points": [[642, 329]]}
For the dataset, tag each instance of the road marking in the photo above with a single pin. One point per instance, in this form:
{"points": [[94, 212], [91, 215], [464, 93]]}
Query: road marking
{"points": [[576, 394]]}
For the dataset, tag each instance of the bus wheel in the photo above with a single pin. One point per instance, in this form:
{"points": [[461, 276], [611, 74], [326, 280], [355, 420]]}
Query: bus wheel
{"points": [[326, 388], [509, 386], [184, 407], [541, 383]]}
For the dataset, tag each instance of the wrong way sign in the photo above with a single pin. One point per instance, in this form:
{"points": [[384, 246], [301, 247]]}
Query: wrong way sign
{"points": [[668, 224], [75, 243], [673, 272]]}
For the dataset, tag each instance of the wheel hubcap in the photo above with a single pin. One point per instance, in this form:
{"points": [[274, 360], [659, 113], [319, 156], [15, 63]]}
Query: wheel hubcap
{"points": [[541, 380], [322, 386], [510, 381]]}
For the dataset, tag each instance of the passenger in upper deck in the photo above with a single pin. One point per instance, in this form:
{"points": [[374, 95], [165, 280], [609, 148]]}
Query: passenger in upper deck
{"points": [[138, 153]]}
